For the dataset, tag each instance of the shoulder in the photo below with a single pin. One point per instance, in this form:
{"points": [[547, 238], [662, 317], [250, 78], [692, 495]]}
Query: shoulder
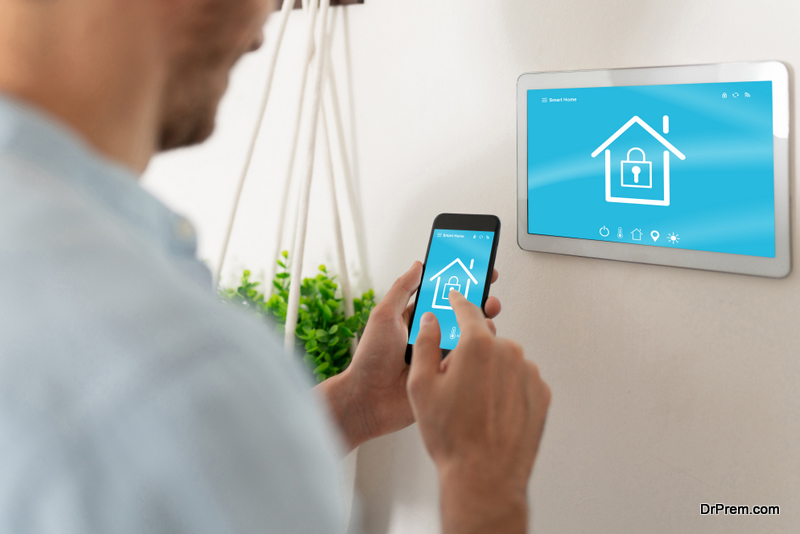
{"points": [[116, 368]]}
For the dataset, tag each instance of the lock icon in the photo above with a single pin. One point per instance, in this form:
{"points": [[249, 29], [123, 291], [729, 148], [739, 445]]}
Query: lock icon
{"points": [[451, 284], [637, 173]]}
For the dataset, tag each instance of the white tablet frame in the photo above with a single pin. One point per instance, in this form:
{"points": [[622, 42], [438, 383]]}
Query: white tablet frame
{"points": [[774, 71]]}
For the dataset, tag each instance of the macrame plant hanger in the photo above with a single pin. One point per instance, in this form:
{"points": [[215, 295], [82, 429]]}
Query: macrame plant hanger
{"points": [[318, 66]]}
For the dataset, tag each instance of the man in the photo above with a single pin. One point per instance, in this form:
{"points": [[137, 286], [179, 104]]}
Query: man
{"points": [[130, 400]]}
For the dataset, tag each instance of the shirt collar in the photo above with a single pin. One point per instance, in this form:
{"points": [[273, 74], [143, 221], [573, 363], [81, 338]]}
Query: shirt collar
{"points": [[43, 141]]}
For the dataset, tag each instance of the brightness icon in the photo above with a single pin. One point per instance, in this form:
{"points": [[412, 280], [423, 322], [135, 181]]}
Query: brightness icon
{"points": [[673, 239]]}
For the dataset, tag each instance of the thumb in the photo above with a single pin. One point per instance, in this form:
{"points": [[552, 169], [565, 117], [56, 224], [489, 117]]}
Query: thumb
{"points": [[427, 355], [398, 296]]}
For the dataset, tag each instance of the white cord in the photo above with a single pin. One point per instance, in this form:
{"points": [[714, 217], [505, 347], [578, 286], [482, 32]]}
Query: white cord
{"points": [[354, 178], [352, 197], [344, 276], [287, 186], [305, 186], [273, 61], [337, 226]]}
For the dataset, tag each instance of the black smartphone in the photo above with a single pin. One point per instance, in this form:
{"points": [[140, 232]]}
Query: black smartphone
{"points": [[461, 253]]}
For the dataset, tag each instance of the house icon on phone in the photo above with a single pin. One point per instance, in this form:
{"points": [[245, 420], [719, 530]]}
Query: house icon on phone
{"points": [[454, 279], [632, 170]]}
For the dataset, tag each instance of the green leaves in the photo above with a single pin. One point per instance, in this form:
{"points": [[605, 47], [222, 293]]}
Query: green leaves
{"points": [[322, 330]]}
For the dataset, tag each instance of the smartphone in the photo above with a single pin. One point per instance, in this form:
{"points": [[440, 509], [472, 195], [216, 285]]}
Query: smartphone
{"points": [[461, 253]]}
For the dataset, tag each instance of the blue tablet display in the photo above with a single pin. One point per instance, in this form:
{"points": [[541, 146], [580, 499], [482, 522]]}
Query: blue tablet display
{"points": [[459, 260], [683, 166]]}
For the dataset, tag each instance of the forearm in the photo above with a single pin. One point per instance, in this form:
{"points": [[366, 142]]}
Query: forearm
{"points": [[473, 506], [346, 414]]}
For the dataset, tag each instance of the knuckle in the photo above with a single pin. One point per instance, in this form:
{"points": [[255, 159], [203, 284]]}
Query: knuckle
{"points": [[415, 386], [405, 283], [399, 286], [512, 352], [491, 326], [412, 384], [483, 342], [381, 313], [534, 370], [547, 394], [516, 350], [539, 385]]}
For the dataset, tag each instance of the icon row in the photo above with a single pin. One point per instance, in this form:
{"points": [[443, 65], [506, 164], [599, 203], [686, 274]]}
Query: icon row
{"points": [[736, 95], [636, 235], [476, 236]]}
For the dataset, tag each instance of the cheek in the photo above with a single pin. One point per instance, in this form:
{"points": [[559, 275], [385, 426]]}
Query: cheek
{"points": [[219, 35], [268, 6]]}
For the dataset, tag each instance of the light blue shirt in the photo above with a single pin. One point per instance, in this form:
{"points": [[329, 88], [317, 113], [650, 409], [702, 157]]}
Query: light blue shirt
{"points": [[131, 400]]}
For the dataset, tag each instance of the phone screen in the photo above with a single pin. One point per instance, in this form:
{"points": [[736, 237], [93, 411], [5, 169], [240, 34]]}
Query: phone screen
{"points": [[459, 260]]}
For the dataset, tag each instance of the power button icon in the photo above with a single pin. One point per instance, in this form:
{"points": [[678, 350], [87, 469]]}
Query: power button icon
{"points": [[604, 231]]}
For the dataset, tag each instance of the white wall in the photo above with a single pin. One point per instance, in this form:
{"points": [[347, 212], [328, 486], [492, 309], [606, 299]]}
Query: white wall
{"points": [[671, 387]]}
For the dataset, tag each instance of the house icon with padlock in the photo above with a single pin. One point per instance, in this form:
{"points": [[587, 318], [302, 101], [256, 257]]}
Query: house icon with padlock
{"points": [[636, 172], [453, 279]]}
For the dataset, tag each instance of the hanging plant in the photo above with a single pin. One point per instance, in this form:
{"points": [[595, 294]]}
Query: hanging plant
{"points": [[323, 331]]}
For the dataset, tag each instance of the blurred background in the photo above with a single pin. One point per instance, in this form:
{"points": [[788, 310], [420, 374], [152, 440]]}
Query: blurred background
{"points": [[671, 387]]}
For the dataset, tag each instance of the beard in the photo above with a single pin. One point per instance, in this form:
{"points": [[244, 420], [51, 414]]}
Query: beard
{"points": [[215, 36], [188, 112]]}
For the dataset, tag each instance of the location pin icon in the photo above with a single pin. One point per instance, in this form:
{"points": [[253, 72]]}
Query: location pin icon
{"points": [[655, 235]]}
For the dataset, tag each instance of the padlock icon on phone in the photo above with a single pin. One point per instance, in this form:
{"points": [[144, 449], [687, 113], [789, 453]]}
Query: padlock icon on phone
{"points": [[451, 285], [637, 173]]}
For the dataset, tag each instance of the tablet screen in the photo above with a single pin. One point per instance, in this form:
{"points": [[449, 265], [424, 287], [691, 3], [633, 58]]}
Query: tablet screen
{"points": [[681, 166]]}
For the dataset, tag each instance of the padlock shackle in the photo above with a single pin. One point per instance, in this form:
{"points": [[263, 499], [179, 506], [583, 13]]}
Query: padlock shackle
{"points": [[644, 157]]}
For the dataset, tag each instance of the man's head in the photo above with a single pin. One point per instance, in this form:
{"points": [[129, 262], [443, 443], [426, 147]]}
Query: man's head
{"points": [[131, 76], [207, 39]]}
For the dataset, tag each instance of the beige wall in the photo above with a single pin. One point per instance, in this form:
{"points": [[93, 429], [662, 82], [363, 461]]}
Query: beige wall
{"points": [[670, 387]]}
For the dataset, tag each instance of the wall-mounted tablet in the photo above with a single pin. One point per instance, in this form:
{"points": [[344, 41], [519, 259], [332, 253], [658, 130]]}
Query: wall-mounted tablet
{"points": [[681, 166]]}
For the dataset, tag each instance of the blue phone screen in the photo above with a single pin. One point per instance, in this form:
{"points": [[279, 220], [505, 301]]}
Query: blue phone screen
{"points": [[459, 260]]}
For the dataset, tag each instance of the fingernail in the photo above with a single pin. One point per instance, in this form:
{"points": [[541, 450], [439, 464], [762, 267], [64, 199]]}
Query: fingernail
{"points": [[427, 317]]}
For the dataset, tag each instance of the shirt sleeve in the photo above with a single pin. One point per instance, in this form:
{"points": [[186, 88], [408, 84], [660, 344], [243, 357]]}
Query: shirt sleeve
{"points": [[220, 445], [150, 407], [226, 448]]}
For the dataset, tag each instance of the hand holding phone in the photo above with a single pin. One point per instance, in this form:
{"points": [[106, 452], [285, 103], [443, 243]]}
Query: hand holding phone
{"points": [[481, 417], [460, 257]]}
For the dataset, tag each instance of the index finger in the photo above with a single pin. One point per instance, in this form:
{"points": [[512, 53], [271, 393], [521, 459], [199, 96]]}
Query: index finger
{"points": [[468, 316]]}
